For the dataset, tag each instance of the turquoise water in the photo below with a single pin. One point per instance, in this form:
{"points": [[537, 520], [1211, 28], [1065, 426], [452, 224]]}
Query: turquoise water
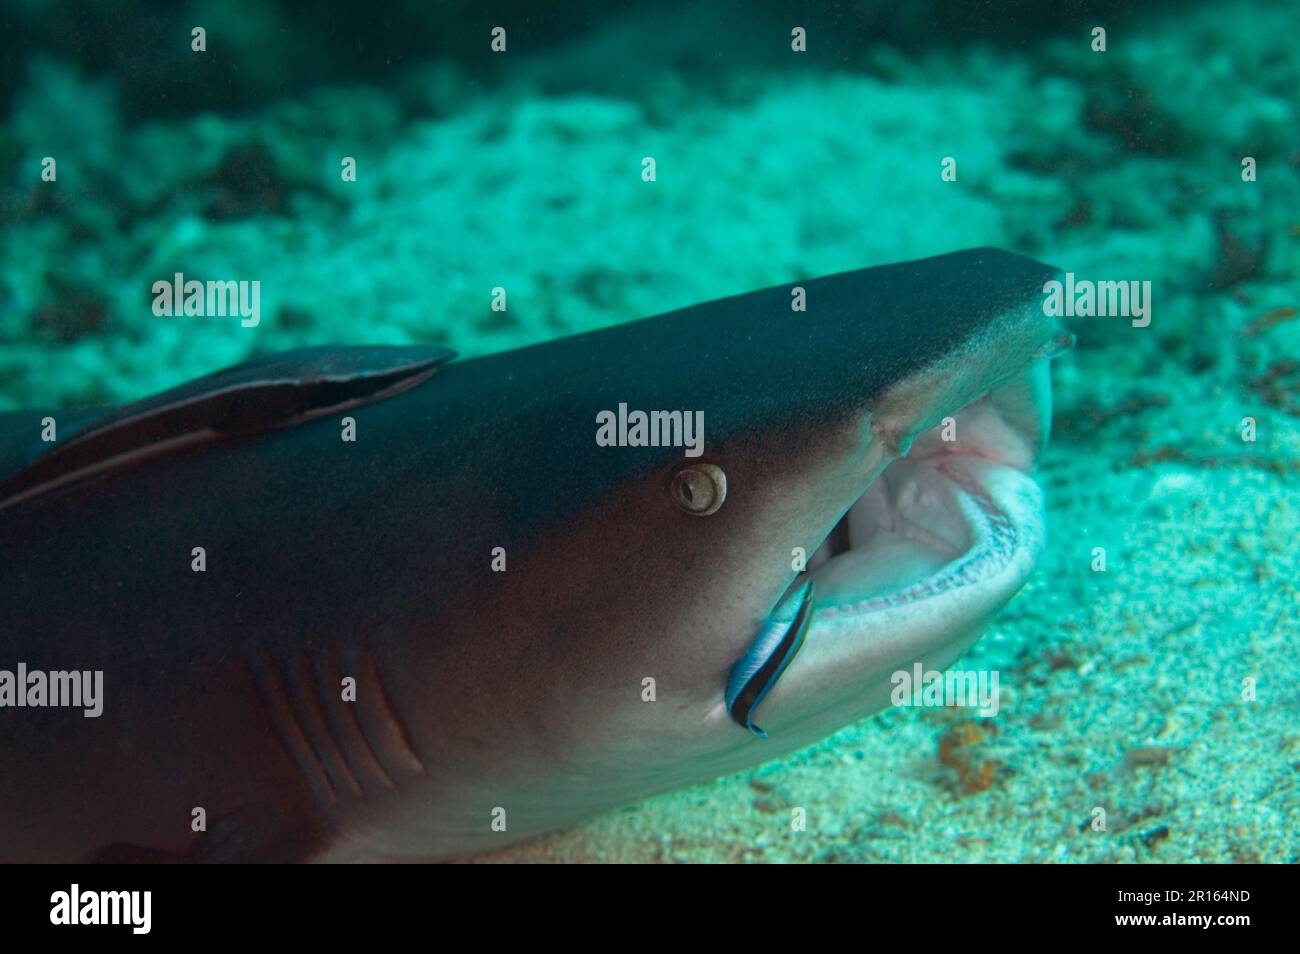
{"points": [[1161, 689]]}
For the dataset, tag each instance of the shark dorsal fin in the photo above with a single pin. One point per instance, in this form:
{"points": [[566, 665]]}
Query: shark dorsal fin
{"points": [[268, 392]]}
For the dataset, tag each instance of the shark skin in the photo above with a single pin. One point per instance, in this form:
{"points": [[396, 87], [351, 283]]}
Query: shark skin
{"points": [[515, 696]]}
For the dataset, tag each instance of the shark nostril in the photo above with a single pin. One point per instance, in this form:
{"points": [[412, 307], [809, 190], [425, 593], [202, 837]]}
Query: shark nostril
{"points": [[700, 489]]}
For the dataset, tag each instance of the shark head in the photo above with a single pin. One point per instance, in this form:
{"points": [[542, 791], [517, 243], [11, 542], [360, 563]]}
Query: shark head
{"points": [[892, 488], [861, 501], [721, 532]]}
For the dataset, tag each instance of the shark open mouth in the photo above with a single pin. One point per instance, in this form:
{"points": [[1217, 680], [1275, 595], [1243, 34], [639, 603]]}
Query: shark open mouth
{"points": [[958, 510], [940, 518]]}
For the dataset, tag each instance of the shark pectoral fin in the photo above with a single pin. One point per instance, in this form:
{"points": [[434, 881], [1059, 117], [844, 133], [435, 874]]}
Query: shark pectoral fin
{"points": [[258, 833], [265, 393], [261, 833], [121, 854], [769, 655]]}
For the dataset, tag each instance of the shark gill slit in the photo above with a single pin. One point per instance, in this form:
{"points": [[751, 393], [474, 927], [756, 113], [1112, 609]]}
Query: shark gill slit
{"points": [[360, 752], [382, 730], [361, 758], [311, 718], [269, 681]]}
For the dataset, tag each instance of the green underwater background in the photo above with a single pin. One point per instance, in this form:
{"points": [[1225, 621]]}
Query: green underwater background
{"points": [[1164, 689]]}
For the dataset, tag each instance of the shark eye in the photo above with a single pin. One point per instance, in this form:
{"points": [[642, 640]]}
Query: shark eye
{"points": [[699, 489]]}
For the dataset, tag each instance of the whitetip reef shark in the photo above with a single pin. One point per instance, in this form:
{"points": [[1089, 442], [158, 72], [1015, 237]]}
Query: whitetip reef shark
{"points": [[535, 627]]}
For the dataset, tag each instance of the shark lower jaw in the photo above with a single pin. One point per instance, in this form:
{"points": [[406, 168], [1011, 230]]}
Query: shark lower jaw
{"points": [[922, 531]]}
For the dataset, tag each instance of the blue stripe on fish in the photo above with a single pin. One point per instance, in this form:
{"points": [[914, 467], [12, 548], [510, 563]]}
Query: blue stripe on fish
{"points": [[770, 654]]}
